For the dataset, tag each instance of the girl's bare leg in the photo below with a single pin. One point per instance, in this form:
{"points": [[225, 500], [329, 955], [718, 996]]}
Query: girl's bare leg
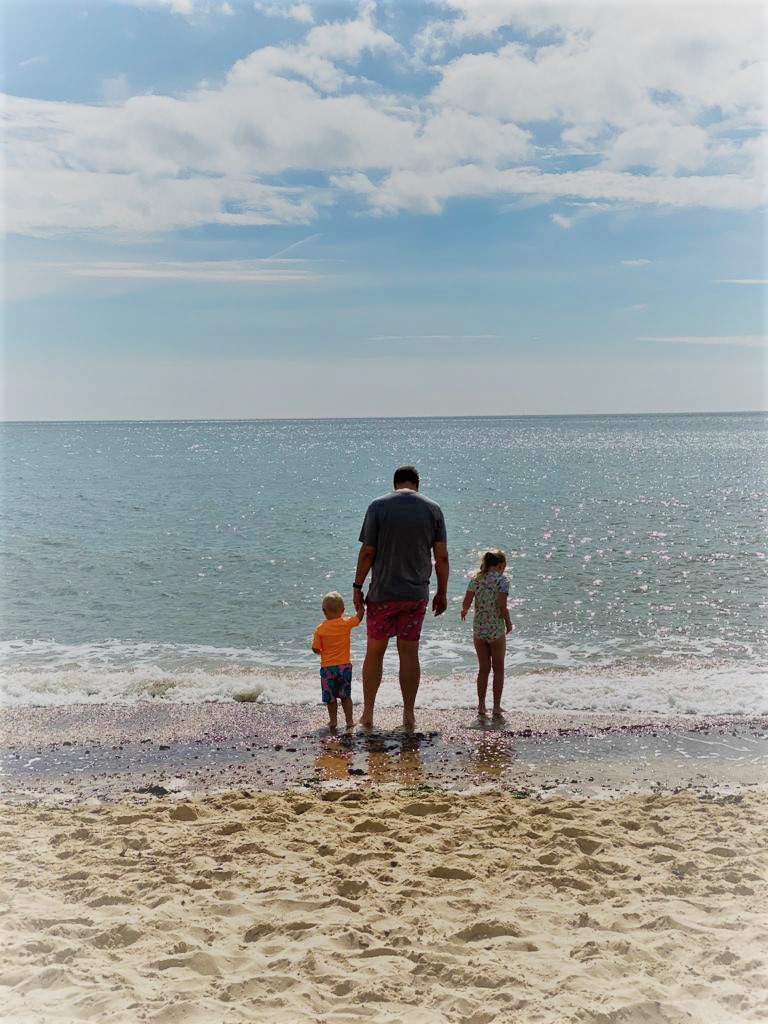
{"points": [[498, 650], [482, 649]]}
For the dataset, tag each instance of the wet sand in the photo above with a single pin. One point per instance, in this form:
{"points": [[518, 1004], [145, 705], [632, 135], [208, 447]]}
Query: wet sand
{"points": [[109, 752]]}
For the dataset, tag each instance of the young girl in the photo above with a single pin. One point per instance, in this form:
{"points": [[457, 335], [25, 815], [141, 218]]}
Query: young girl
{"points": [[489, 589]]}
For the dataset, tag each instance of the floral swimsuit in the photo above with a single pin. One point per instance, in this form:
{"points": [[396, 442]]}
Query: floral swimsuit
{"points": [[489, 622]]}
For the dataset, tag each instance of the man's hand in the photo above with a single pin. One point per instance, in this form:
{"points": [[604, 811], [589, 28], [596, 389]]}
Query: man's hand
{"points": [[439, 602], [358, 601]]}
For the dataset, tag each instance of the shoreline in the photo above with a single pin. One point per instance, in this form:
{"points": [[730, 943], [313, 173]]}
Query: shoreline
{"points": [[119, 752]]}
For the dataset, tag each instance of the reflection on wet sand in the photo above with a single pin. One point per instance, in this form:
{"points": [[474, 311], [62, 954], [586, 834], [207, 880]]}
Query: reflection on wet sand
{"points": [[387, 758], [395, 759], [335, 759], [491, 756]]}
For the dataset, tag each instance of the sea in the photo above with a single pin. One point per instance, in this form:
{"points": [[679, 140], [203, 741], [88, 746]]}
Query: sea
{"points": [[186, 561]]}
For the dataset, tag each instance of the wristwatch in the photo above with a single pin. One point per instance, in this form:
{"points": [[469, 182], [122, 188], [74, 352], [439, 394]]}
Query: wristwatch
{"points": [[357, 586]]}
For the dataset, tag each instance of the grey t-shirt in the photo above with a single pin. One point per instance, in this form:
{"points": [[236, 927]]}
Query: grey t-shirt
{"points": [[403, 526]]}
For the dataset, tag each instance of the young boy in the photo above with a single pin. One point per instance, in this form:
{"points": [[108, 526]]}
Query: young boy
{"points": [[331, 641]]}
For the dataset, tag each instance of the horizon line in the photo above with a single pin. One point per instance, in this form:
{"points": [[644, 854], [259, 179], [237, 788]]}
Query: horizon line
{"points": [[330, 419]]}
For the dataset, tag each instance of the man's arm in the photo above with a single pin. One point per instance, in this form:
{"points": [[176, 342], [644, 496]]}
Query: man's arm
{"points": [[364, 562], [442, 569]]}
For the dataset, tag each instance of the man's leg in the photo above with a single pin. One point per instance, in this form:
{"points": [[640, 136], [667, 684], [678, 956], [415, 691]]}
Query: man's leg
{"points": [[372, 669], [410, 676]]}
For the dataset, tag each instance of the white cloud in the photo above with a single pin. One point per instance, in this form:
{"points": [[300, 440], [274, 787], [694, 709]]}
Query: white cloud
{"points": [[30, 61], [434, 337], [614, 77], [55, 201], [191, 8], [407, 190], [562, 222], [619, 88], [743, 280], [268, 271], [637, 307], [296, 12], [737, 340], [662, 145], [636, 263]]}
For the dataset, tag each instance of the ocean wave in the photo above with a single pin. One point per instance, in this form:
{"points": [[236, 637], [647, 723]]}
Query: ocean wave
{"points": [[43, 673]]}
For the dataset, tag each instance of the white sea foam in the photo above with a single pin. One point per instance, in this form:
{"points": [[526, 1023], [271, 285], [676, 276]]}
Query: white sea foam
{"points": [[43, 673]]}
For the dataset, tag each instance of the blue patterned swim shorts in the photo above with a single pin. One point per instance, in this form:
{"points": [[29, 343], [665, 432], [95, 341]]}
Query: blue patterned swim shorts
{"points": [[336, 682]]}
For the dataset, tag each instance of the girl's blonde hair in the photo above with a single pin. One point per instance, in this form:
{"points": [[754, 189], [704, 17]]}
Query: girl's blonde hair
{"points": [[491, 558]]}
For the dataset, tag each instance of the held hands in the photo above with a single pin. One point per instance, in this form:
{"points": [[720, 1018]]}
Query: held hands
{"points": [[358, 601]]}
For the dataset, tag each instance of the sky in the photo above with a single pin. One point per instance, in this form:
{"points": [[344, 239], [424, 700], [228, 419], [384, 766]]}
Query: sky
{"points": [[293, 209]]}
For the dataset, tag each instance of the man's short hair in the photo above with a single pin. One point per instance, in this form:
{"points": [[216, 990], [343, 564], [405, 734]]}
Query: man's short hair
{"points": [[406, 475]]}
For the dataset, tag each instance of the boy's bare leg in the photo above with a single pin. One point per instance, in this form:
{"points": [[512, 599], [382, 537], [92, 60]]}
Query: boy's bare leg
{"points": [[498, 651], [410, 676], [346, 705], [333, 712], [372, 669], [483, 671]]}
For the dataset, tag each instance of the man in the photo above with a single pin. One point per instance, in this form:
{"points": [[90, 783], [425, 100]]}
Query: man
{"points": [[401, 532]]}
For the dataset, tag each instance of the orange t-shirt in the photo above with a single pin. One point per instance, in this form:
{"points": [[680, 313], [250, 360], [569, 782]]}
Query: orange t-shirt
{"points": [[332, 638]]}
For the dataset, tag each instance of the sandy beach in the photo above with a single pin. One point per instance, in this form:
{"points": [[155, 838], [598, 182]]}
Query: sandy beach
{"points": [[385, 906], [460, 897]]}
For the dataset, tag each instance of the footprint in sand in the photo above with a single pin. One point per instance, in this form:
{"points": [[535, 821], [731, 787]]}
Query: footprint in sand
{"points": [[200, 963], [116, 938], [371, 825], [448, 872], [420, 809], [184, 812], [487, 930]]}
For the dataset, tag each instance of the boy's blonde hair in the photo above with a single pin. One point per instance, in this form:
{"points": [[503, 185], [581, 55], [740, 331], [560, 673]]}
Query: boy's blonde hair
{"points": [[491, 558], [333, 602]]}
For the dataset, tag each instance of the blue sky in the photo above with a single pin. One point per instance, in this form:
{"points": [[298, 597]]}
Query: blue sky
{"points": [[295, 209]]}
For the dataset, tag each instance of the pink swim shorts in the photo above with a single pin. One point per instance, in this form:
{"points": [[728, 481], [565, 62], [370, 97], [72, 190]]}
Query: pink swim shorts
{"points": [[402, 619]]}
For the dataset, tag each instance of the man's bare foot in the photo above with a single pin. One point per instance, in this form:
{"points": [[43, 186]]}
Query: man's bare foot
{"points": [[409, 723], [350, 725], [499, 712], [365, 722], [482, 712]]}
